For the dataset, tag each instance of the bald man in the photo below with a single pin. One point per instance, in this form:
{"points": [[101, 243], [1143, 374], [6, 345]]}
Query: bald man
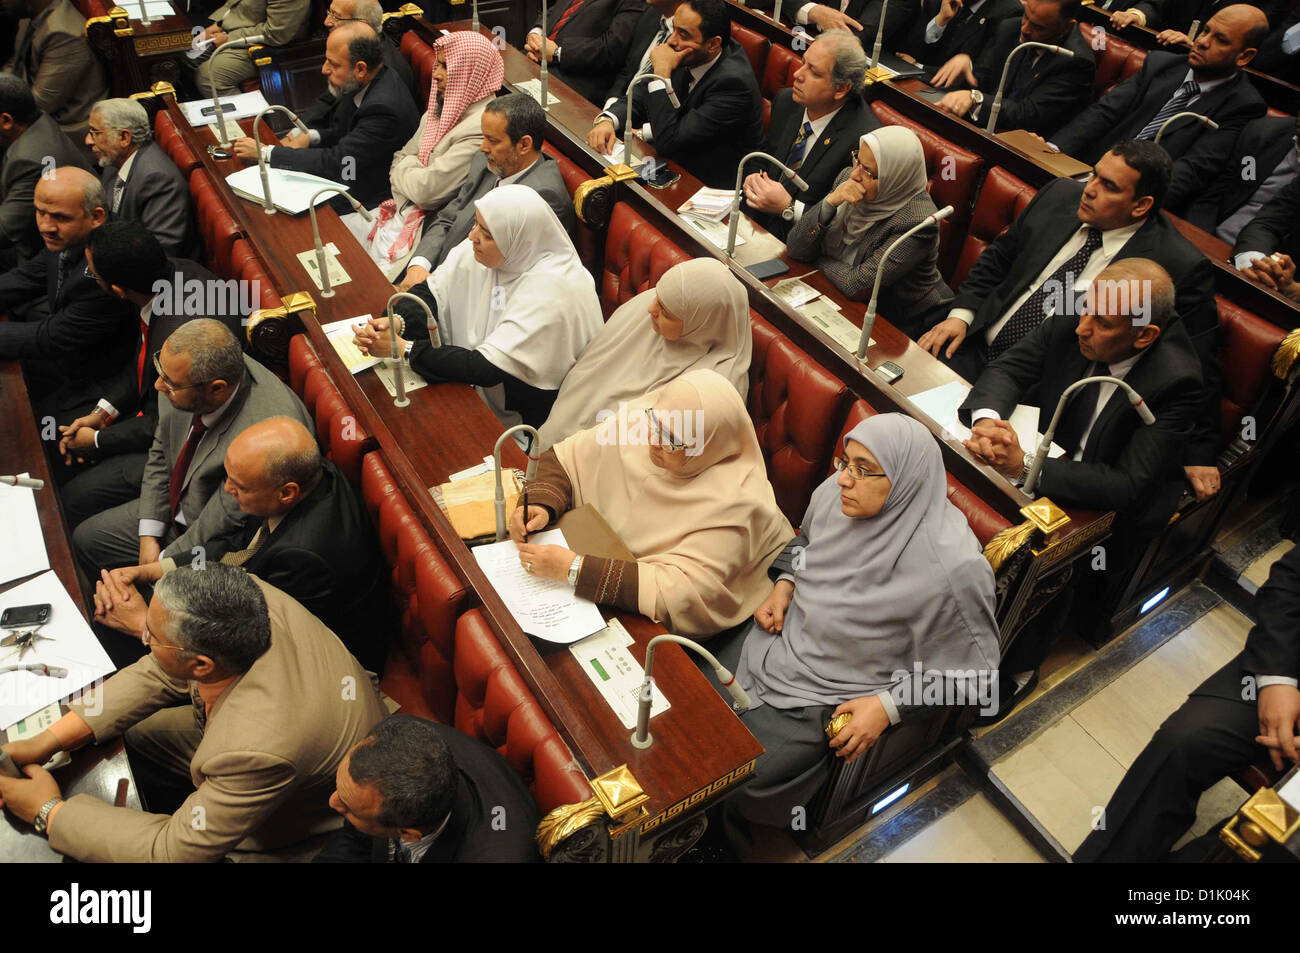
{"points": [[349, 11], [1208, 80], [356, 142], [83, 342], [306, 534]]}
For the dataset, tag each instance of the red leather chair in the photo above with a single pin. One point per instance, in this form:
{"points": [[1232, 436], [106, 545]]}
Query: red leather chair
{"points": [[494, 704], [301, 359], [588, 240], [167, 136], [954, 174], [1247, 344], [756, 47], [796, 407], [1002, 198], [246, 266], [323, 402], [216, 225], [778, 73], [636, 256], [1117, 59]]}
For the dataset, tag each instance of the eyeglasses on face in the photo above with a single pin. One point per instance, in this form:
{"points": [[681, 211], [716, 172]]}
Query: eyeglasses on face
{"points": [[332, 14], [853, 155], [170, 387], [152, 641], [856, 472], [665, 437]]}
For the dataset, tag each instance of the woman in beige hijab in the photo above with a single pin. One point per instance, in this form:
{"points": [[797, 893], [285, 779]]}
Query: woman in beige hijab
{"points": [[679, 476], [696, 316]]}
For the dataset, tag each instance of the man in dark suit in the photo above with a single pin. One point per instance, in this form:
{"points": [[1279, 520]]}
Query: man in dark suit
{"points": [[321, 110], [1112, 461], [29, 141], [586, 42], [815, 125], [1208, 81], [419, 792], [1268, 247], [86, 341], [141, 183], [1279, 54], [374, 118], [214, 392], [114, 437], [948, 28], [860, 17], [653, 28], [721, 114], [1171, 19], [1043, 90], [1265, 159], [513, 130], [307, 535], [1251, 702]]}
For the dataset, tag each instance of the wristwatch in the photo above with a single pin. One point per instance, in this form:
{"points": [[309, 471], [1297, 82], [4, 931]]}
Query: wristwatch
{"points": [[976, 97], [1024, 471], [406, 354], [787, 213], [42, 821], [574, 568]]}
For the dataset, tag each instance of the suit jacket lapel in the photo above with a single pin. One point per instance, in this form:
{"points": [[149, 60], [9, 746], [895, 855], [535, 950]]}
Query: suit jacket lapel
{"points": [[1158, 93], [818, 149], [217, 431]]}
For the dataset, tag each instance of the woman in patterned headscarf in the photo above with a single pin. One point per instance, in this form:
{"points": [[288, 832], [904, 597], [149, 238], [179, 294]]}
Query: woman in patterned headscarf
{"points": [[432, 166]]}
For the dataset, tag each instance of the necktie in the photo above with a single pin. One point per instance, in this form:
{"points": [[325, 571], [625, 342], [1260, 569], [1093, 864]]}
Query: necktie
{"points": [[144, 351], [197, 429], [249, 551], [61, 275], [118, 188], [1060, 282], [1176, 103], [660, 37], [799, 147], [565, 17], [1078, 412]]}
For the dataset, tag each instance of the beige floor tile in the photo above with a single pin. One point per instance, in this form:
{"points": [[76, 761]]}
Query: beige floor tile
{"points": [[974, 832], [1062, 777], [1257, 572], [1215, 804]]}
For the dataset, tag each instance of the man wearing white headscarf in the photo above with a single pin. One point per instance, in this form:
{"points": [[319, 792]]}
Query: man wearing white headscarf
{"points": [[697, 315], [513, 305], [876, 200]]}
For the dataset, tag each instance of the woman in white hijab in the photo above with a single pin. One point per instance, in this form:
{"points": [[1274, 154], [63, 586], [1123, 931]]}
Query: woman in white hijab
{"points": [[514, 308], [696, 316], [679, 476], [884, 576], [876, 200]]}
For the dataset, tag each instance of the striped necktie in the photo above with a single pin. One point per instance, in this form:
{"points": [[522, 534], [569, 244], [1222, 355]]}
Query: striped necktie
{"points": [[660, 37], [249, 551], [799, 147], [1177, 101], [565, 17]]}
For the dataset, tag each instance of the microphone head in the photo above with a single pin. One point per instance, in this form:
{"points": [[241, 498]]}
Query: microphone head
{"points": [[1144, 412], [803, 186], [252, 40], [943, 213], [672, 97]]}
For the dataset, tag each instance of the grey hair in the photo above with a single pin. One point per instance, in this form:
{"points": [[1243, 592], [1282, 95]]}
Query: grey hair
{"points": [[850, 61], [286, 466], [1151, 277], [369, 12], [92, 194], [215, 353], [217, 611], [125, 115]]}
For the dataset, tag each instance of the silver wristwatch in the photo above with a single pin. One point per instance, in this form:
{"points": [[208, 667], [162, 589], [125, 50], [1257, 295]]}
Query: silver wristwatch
{"points": [[574, 568], [787, 213], [976, 97], [42, 821], [406, 354]]}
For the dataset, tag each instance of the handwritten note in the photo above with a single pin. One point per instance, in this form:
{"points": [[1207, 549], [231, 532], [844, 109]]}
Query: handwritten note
{"points": [[546, 608]]}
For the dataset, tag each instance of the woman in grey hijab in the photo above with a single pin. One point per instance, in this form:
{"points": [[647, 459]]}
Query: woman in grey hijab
{"points": [[876, 200], [885, 579]]}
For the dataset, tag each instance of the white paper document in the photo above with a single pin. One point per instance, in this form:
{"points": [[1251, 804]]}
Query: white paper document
{"points": [[69, 643], [533, 87], [24, 551], [829, 319], [410, 380], [340, 334], [338, 274], [613, 670], [156, 9], [199, 112], [940, 405], [291, 191], [546, 608], [615, 157], [715, 233]]}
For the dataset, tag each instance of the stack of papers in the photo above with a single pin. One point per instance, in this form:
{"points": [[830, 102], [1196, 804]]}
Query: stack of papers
{"points": [[291, 192], [156, 9], [546, 608], [940, 405], [24, 554], [244, 106], [715, 233], [826, 317], [712, 204], [470, 502]]}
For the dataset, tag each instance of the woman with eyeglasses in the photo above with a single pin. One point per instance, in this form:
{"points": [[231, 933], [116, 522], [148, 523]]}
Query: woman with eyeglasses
{"points": [[884, 575], [697, 315], [875, 200], [679, 476]]}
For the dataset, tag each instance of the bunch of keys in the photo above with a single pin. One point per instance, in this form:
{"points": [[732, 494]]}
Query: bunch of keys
{"points": [[24, 640]]}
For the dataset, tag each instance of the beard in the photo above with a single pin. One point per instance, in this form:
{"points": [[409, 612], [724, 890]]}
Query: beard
{"points": [[350, 88]]}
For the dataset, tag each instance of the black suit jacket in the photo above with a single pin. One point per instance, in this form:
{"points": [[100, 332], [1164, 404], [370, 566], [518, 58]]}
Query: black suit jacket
{"points": [[486, 782], [643, 35], [899, 19], [20, 169], [1016, 257], [824, 157], [158, 197], [966, 32], [324, 553], [82, 348], [1272, 59], [321, 110], [133, 432], [1264, 141], [1274, 227], [1041, 93], [720, 119], [1179, 14], [593, 43], [1126, 465], [357, 144], [1198, 151]]}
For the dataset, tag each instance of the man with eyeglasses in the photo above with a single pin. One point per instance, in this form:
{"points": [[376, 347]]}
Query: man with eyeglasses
{"points": [[75, 340], [214, 392], [235, 723], [278, 22], [104, 450]]}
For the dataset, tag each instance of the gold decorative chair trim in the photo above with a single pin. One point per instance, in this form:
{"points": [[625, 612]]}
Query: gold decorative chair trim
{"points": [[1285, 356]]}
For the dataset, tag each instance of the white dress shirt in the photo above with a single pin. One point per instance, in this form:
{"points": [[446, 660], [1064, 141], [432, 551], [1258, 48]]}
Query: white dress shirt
{"points": [[697, 74], [818, 127]]}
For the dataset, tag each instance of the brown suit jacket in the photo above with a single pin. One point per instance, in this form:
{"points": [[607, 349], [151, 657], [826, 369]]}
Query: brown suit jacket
{"points": [[65, 75], [264, 770]]}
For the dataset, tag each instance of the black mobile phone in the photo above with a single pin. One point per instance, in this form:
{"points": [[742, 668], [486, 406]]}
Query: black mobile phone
{"points": [[767, 269], [16, 616], [220, 153], [656, 174]]}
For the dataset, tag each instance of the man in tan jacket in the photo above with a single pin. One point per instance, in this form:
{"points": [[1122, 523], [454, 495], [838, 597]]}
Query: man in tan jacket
{"points": [[279, 22], [245, 693], [52, 55]]}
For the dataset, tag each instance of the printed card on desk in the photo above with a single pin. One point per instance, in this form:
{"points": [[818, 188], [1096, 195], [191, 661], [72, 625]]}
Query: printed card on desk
{"points": [[533, 87], [337, 274], [616, 673], [546, 608]]}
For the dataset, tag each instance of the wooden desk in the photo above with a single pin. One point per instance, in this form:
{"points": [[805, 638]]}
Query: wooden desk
{"points": [[95, 770], [700, 747], [140, 55]]}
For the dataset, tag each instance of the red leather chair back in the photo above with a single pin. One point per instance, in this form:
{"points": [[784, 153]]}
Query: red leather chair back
{"points": [[796, 407], [985, 522], [756, 47], [424, 60], [1246, 346], [301, 359], [588, 241], [954, 174], [778, 73], [1117, 59], [494, 705], [167, 136], [216, 225], [246, 266], [636, 256], [1002, 198]]}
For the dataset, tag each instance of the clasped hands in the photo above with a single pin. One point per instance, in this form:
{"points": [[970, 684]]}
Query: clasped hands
{"points": [[535, 44], [995, 443], [77, 440], [372, 338], [24, 797], [118, 603], [1277, 272]]}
